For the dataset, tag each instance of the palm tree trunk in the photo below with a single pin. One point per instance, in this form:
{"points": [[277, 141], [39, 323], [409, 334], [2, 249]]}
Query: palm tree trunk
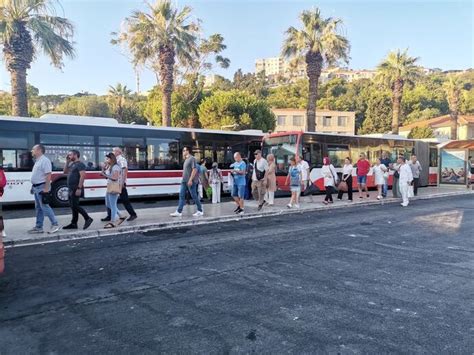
{"points": [[314, 62], [167, 55], [396, 104], [19, 92], [454, 125]]}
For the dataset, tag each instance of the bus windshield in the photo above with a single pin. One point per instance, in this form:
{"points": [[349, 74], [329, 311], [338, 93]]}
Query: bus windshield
{"points": [[283, 148]]}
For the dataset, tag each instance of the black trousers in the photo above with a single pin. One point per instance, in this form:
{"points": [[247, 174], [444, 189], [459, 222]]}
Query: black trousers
{"points": [[329, 191], [349, 188], [125, 201], [76, 208], [416, 181]]}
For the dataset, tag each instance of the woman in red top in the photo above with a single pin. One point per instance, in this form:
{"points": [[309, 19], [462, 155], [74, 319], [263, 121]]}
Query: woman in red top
{"points": [[363, 167]]}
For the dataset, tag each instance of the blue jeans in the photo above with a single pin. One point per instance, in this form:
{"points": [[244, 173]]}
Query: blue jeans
{"points": [[111, 201], [385, 189], [193, 192], [42, 209]]}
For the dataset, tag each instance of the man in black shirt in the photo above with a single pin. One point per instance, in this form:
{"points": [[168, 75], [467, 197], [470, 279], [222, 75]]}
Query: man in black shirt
{"points": [[76, 174]]}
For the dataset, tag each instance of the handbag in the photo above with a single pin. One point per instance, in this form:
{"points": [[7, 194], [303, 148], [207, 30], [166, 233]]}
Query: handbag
{"points": [[343, 186], [113, 187], [46, 198], [411, 191], [310, 190]]}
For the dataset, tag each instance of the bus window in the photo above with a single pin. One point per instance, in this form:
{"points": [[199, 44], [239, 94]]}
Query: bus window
{"points": [[337, 154], [433, 157], [162, 154], [57, 154], [283, 148], [111, 141]]}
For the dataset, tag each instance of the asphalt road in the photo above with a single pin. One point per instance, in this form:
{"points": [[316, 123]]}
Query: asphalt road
{"points": [[361, 280]]}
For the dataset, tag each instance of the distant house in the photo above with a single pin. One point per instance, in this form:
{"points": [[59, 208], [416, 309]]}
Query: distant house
{"points": [[441, 127], [338, 122]]}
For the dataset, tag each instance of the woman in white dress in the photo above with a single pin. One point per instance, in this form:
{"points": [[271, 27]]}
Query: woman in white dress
{"points": [[380, 171]]}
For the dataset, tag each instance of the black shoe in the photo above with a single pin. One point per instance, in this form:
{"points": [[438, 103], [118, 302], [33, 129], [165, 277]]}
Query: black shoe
{"points": [[132, 218], [238, 210], [88, 223], [106, 219], [259, 207], [70, 226]]}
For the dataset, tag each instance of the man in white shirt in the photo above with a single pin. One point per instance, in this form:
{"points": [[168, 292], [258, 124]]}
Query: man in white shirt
{"points": [[40, 186], [405, 180], [122, 162], [415, 170], [258, 179], [303, 166]]}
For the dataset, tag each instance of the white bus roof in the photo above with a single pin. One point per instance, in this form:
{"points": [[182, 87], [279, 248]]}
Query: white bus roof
{"points": [[112, 122]]}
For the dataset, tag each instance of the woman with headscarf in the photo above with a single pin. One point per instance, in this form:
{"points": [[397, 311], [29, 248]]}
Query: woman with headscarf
{"points": [[330, 179], [215, 179], [270, 176]]}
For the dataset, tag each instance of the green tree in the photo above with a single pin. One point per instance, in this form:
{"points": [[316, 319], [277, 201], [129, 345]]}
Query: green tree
{"points": [[26, 27], [421, 132], [255, 84], [453, 87], [396, 70], [118, 96], [84, 106], [5, 104], [159, 37], [467, 102], [378, 114], [237, 110], [289, 96], [319, 42]]}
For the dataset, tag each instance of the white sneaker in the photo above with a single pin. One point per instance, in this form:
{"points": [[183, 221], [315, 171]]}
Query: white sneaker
{"points": [[404, 204], [176, 214], [297, 205], [289, 205], [198, 214], [379, 197], [36, 230], [54, 229]]}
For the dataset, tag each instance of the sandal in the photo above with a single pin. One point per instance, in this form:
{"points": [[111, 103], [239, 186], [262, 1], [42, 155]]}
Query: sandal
{"points": [[121, 220], [109, 226]]}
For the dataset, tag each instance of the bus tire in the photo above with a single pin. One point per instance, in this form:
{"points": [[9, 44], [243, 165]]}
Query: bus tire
{"points": [[60, 193]]}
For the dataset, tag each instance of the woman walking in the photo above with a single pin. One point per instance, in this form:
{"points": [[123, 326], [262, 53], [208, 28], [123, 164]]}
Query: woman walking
{"points": [[380, 171], [347, 178], [271, 180], [330, 179], [215, 179], [395, 167], [113, 172], [294, 177]]}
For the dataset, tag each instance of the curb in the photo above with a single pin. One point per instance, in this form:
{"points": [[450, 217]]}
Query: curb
{"points": [[207, 220]]}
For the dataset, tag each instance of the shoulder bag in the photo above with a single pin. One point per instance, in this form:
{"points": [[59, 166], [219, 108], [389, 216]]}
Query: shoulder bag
{"points": [[114, 187]]}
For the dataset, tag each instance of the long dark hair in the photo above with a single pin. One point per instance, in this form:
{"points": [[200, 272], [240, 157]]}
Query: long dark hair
{"points": [[112, 157]]}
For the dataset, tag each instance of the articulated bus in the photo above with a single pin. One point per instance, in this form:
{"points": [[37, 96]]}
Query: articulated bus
{"points": [[314, 146], [153, 153]]}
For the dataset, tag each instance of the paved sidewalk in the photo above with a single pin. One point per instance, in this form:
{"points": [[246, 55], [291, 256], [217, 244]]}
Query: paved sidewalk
{"points": [[158, 217]]}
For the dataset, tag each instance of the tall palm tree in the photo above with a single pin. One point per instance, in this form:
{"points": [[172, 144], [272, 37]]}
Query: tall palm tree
{"points": [[26, 27], [318, 42], [159, 38], [396, 70], [119, 94], [452, 88]]}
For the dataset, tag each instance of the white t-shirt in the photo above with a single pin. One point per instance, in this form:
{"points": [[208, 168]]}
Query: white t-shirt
{"points": [[347, 169], [261, 165], [304, 168], [122, 162]]}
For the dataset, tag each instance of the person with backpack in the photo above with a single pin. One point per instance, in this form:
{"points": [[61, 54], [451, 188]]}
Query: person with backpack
{"points": [[330, 179], [258, 179], [215, 180], [295, 178], [189, 182]]}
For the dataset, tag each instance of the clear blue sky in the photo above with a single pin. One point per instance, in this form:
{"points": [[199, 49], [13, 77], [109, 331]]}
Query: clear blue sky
{"points": [[439, 32]]}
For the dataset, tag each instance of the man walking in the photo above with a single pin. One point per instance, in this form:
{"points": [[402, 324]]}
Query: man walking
{"points": [[40, 188], [76, 174], [363, 168], [122, 162], [405, 180], [415, 170], [306, 182], [385, 160], [239, 169], [258, 178], [189, 183]]}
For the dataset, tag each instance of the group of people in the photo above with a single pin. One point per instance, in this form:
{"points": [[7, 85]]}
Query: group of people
{"points": [[114, 169], [197, 180]]}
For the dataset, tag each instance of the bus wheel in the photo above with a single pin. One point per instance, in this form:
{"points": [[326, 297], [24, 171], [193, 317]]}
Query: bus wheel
{"points": [[60, 194]]}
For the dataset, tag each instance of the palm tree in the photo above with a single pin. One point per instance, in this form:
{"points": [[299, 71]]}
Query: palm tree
{"points": [[26, 27], [119, 94], [396, 70], [318, 42], [159, 38], [453, 87]]}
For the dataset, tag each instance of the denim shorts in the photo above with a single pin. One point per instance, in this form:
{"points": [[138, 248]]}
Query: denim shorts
{"points": [[362, 179], [238, 191], [295, 188]]}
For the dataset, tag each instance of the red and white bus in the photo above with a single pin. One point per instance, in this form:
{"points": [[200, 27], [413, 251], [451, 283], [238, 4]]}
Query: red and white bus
{"points": [[314, 146], [153, 153]]}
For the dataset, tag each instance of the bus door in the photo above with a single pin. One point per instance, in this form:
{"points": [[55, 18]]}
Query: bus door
{"points": [[253, 146], [422, 151]]}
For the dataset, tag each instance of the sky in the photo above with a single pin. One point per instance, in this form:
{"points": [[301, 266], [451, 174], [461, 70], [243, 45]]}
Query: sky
{"points": [[439, 32]]}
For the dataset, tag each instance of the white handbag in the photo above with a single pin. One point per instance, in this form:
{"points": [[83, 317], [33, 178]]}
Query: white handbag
{"points": [[411, 192]]}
